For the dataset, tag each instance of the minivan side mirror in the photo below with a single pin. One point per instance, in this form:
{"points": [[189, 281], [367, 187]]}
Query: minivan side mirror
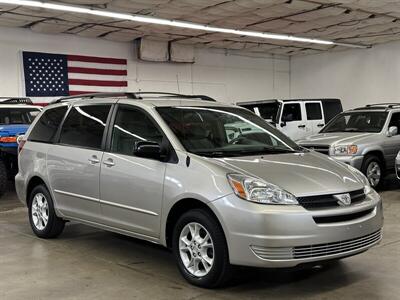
{"points": [[147, 149], [393, 130]]}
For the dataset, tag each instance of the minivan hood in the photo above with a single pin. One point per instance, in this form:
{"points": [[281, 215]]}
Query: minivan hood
{"points": [[302, 174], [336, 138]]}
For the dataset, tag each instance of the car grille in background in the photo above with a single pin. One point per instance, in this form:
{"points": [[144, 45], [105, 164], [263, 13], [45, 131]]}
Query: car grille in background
{"points": [[329, 201], [318, 250], [319, 148]]}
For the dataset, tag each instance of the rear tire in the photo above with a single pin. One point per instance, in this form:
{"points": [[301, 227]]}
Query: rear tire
{"points": [[3, 178], [42, 217], [204, 260], [372, 168]]}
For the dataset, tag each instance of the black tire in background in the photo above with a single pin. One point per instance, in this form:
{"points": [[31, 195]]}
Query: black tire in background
{"points": [[55, 225], [221, 270], [3, 178], [369, 160]]}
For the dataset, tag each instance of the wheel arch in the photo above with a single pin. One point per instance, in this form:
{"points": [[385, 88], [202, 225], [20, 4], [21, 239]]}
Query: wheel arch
{"points": [[32, 183], [379, 154], [180, 208]]}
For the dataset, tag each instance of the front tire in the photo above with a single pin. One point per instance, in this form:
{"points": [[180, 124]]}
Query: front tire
{"points": [[42, 217], [372, 168], [200, 249]]}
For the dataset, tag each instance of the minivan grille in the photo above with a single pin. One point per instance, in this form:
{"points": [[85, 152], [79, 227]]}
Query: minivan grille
{"points": [[317, 250], [329, 201], [319, 148]]}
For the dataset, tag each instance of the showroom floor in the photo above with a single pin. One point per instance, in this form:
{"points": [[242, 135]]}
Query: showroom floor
{"points": [[87, 263]]}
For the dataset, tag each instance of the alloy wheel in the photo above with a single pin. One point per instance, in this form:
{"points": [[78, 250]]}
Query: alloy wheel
{"points": [[40, 211], [196, 249], [374, 173]]}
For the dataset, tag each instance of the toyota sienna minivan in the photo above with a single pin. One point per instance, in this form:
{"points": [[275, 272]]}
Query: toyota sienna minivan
{"points": [[213, 182]]}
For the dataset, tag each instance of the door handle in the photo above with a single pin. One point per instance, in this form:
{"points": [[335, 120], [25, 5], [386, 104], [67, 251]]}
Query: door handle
{"points": [[94, 160], [301, 126], [109, 162], [321, 125]]}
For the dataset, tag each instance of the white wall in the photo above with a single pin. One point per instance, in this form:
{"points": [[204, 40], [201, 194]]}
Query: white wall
{"points": [[358, 76], [228, 77]]}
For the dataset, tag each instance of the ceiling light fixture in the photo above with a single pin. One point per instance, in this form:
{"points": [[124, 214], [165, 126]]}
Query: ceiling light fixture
{"points": [[174, 23]]}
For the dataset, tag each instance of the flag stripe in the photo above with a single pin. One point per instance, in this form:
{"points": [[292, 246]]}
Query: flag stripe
{"points": [[93, 59], [81, 64], [96, 82], [96, 77], [96, 71], [96, 89]]}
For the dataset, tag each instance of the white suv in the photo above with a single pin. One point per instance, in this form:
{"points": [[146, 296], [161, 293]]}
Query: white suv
{"points": [[297, 118]]}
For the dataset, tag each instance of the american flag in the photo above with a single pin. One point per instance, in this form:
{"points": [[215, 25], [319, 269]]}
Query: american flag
{"points": [[48, 76]]}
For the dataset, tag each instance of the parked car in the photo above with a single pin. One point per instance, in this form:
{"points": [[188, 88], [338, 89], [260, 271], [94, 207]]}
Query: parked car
{"points": [[167, 169], [16, 114], [297, 118], [367, 138]]}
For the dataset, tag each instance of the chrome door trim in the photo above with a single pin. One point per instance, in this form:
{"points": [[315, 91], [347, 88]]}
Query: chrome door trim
{"points": [[144, 211], [76, 195]]}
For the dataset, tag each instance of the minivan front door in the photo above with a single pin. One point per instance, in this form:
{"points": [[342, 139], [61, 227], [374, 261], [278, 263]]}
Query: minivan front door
{"points": [[292, 121], [74, 162], [131, 187]]}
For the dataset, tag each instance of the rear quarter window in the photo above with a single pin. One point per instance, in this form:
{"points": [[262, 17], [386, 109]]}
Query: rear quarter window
{"points": [[46, 127], [331, 109]]}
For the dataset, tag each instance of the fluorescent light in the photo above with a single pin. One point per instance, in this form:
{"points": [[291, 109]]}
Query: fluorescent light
{"points": [[173, 23]]}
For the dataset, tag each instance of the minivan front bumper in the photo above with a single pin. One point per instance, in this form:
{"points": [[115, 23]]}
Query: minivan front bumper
{"points": [[279, 236]]}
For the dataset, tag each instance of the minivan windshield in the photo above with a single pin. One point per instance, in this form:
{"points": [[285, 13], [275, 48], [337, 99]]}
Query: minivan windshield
{"points": [[357, 121], [225, 132], [18, 115]]}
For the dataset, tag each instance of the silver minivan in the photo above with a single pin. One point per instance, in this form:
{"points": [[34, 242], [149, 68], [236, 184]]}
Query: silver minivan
{"points": [[213, 182]]}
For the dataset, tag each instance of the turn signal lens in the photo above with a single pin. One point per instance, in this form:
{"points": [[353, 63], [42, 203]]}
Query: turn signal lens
{"points": [[352, 149], [8, 139]]}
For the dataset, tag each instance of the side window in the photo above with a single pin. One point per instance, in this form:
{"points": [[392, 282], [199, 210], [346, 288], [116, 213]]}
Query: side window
{"points": [[84, 126], [291, 112], [314, 111], [331, 109], [395, 121], [132, 125], [46, 127]]}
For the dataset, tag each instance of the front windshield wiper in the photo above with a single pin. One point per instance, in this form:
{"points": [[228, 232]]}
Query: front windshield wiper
{"points": [[258, 151]]}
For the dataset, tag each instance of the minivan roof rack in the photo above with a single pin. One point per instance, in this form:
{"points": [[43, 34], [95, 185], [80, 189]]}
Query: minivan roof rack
{"points": [[15, 100], [133, 95]]}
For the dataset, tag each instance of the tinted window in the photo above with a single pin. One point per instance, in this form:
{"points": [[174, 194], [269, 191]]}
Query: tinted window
{"points": [[395, 121], [46, 127], [132, 125], [18, 115], [331, 109], [291, 112], [84, 126], [266, 111], [314, 111]]}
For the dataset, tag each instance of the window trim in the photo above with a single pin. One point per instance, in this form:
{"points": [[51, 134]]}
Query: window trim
{"points": [[173, 158], [103, 140]]}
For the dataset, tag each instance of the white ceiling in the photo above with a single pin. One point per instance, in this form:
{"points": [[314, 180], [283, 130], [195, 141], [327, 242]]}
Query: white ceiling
{"points": [[367, 22]]}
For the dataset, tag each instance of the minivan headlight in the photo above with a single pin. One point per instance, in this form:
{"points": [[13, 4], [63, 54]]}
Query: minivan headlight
{"points": [[259, 191]]}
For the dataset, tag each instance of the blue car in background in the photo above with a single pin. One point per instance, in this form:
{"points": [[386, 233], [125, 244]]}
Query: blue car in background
{"points": [[16, 114]]}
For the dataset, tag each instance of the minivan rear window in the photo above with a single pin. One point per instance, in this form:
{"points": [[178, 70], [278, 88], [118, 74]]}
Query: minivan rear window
{"points": [[46, 127], [84, 126]]}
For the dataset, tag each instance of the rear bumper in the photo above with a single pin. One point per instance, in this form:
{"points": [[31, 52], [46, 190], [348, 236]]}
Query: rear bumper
{"points": [[278, 237]]}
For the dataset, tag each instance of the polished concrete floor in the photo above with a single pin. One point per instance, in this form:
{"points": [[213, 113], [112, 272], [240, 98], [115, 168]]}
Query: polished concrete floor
{"points": [[86, 263]]}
